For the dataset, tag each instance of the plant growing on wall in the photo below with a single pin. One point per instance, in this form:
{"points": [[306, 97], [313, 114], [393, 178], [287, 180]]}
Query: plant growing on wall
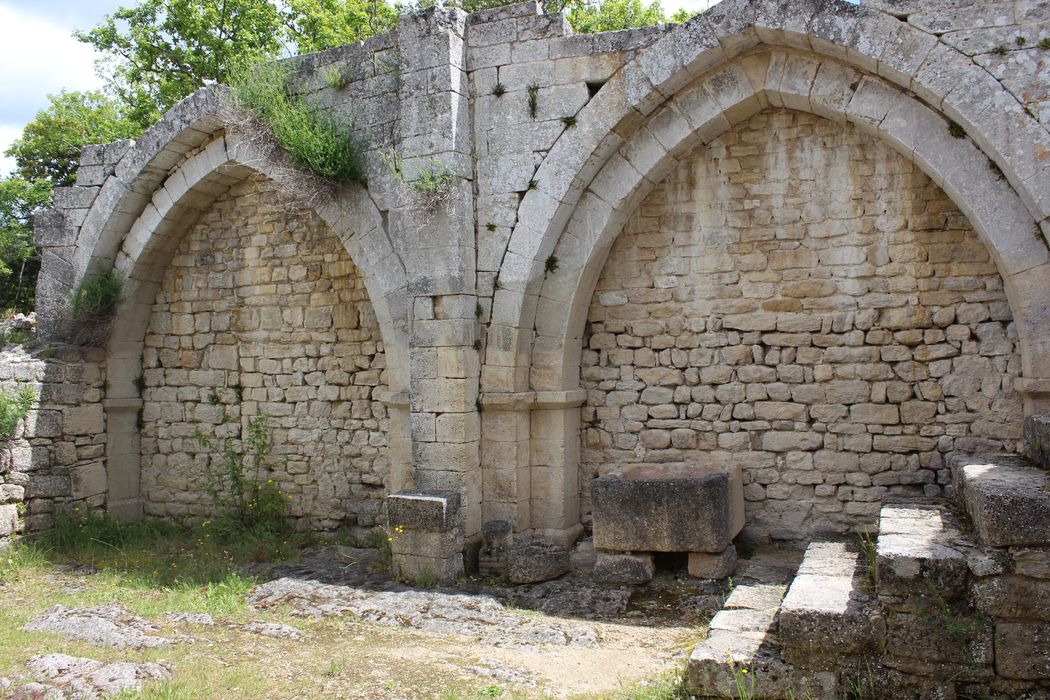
{"points": [[430, 189], [14, 406], [313, 140], [91, 308], [235, 478]]}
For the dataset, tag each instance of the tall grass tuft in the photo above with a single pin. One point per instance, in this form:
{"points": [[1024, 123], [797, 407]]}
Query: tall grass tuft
{"points": [[91, 308], [14, 406], [313, 140]]}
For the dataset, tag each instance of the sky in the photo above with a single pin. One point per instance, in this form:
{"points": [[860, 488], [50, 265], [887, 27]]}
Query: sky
{"points": [[39, 56]]}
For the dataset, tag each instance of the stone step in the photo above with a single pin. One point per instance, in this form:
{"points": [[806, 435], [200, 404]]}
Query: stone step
{"points": [[1007, 497], [742, 648], [919, 552], [826, 613]]}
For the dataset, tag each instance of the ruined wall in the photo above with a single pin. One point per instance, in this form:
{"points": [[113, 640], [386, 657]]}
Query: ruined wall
{"points": [[56, 455], [798, 299], [262, 312]]}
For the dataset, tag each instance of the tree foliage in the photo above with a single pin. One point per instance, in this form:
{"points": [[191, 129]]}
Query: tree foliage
{"points": [[50, 144], [315, 25], [612, 15], [19, 263], [159, 51]]}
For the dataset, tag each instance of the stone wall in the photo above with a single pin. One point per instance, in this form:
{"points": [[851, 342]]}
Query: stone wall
{"points": [[262, 312], [55, 458], [798, 299]]}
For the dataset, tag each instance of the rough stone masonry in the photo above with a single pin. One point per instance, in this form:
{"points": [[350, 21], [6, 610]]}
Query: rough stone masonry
{"points": [[804, 237]]}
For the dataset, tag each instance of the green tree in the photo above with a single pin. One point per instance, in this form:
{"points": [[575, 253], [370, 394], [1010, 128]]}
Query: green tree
{"points": [[159, 51], [315, 25], [611, 15], [19, 263], [50, 144]]}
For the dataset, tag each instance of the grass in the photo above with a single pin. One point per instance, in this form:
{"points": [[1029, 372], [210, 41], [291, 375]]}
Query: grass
{"points": [[313, 140], [152, 568], [14, 406]]}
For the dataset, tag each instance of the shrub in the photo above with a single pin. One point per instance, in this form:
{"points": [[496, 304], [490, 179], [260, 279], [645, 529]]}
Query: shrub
{"points": [[91, 308], [234, 480], [314, 141], [14, 406]]}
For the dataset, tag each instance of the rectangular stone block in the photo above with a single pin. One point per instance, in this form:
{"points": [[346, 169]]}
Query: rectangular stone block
{"points": [[1022, 650], [668, 508], [434, 511], [915, 552], [1007, 498], [824, 613]]}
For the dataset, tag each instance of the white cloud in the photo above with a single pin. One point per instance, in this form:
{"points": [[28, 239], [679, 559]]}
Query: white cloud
{"points": [[37, 57]]}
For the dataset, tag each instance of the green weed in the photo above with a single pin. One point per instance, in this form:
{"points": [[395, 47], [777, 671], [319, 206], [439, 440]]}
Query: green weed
{"points": [[314, 141]]}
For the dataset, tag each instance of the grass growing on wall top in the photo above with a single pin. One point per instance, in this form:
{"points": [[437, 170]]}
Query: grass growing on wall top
{"points": [[314, 141]]}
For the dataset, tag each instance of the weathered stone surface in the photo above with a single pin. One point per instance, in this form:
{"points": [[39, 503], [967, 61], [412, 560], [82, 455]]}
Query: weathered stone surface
{"points": [[667, 508], [929, 637], [714, 566], [825, 612], [1013, 597], [436, 511], [622, 568], [275, 630], [1037, 439], [108, 625], [531, 561], [80, 677], [1008, 499], [1022, 650], [914, 552], [438, 612]]}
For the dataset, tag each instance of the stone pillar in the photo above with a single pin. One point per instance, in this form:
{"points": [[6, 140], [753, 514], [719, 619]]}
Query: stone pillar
{"points": [[426, 535], [555, 470], [435, 139], [506, 471]]}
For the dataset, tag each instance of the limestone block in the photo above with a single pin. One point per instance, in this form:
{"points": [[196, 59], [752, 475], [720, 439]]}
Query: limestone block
{"points": [[718, 566], [1022, 650], [627, 569], [654, 508], [1013, 597], [84, 420], [87, 480], [532, 561], [427, 570], [1007, 498], [1037, 439], [8, 519], [824, 612], [927, 637], [432, 511], [915, 552]]}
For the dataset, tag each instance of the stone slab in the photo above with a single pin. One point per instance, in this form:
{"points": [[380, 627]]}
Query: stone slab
{"points": [[915, 552], [1022, 650], [668, 508], [824, 612], [1007, 497]]}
